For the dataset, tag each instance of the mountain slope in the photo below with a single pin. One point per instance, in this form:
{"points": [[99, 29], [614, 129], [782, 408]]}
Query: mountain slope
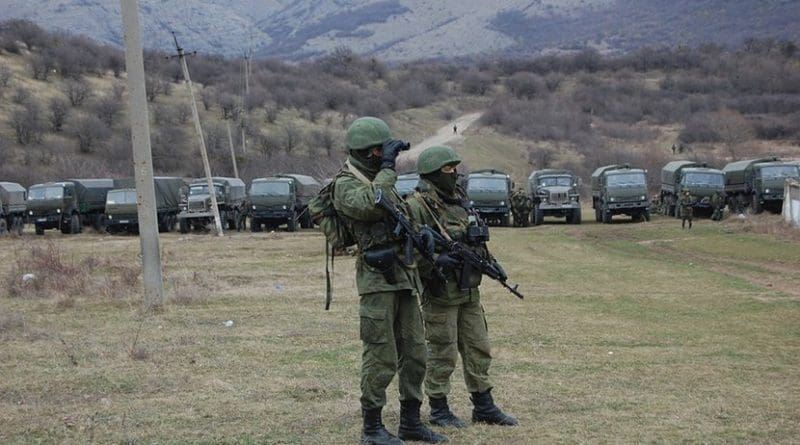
{"points": [[413, 29]]}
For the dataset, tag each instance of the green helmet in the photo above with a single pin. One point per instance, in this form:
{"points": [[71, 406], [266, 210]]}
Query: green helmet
{"points": [[436, 157], [367, 132]]}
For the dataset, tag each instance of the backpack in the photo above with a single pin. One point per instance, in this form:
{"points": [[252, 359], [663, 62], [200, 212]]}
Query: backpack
{"points": [[338, 235]]}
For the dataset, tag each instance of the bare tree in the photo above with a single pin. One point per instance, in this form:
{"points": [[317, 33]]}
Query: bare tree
{"points": [[106, 109], [290, 137], [5, 76], [182, 112], [324, 139], [42, 66], [91, 133], [733, 130], [77, 91], [267, 144], [27, 123], [155, 85], [59, 110]]}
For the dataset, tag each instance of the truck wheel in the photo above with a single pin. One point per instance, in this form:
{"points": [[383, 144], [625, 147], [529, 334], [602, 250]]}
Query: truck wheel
{"points": [[255, 225], [597, 215], [184, 225], [3, 226], [576, 216], [606, 216], [98, 223], [39, 229], [538, 216], [646, 215], [232, 221], [20, 225], [505, 220], [291, 224], [757, 207], [305, 220], [74, 224]]}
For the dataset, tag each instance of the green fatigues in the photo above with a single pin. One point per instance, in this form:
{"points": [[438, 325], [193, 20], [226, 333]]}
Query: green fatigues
{"points": [[687, 210], [521, 206], [717, 203], [391, 327], [455, 323]]}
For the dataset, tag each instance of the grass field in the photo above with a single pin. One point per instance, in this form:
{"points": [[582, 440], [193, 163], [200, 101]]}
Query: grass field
{"points": [[628, 333]]}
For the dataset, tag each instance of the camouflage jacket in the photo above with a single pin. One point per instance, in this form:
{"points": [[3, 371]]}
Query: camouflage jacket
{"points": [[355, 202], [687, 203], [427, 206]]}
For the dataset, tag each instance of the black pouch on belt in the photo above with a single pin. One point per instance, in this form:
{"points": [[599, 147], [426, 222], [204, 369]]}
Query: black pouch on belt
{"points": [[384, 260]]}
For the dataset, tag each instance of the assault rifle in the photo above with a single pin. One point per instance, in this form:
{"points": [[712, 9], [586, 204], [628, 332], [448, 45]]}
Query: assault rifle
{"points": [[472, 260], [422, 241]]}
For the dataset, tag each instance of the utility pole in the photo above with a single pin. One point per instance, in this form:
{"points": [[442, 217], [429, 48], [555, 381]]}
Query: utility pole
{"points": [[245, 96], [211, 190], [142, 156], [233, 154]]}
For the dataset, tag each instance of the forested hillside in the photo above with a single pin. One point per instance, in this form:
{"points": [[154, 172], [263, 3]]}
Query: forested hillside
{"points": [[63, 108]]}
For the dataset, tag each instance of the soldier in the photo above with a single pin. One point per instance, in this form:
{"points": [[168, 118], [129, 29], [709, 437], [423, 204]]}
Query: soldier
{"points": [[717, 204], [521, 205], [391, 328], [687, 203], [454, 318]]}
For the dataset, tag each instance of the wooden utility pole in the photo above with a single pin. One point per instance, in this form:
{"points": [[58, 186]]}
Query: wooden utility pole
{"points": [[142, 155], [211, 190]]}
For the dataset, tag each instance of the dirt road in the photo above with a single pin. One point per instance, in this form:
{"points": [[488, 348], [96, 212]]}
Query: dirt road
{"points": [[443, 136]]}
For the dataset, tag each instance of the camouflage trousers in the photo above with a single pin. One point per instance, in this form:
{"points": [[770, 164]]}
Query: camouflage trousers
{"points": [[452, 331], [393, 341]]}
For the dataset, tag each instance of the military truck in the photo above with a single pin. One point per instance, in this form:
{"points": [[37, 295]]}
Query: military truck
{"points": [[406, 184], [122, 214], [281, 199], [698, 178], [12, 207], [197, 213], [620, 189], [68, 205], [758, 183], [554, 192], [489, 193]]}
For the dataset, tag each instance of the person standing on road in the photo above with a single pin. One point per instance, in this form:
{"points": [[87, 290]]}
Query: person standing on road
{"points": [[455, 323], [455, 128], [391, 328], [687, 203]]}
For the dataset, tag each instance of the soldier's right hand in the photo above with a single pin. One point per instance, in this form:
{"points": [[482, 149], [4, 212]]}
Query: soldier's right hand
{"points": [[447, 262]]}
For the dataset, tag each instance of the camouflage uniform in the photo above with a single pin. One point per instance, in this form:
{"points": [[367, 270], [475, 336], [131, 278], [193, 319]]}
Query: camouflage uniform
{"points": [[717, 203], [687, 203], [454, 318], [391, 328], [521, 206]]}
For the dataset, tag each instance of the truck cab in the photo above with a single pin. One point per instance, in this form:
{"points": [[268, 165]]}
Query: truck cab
{"points": [[758, 183], [620, 189], [272, 202], [489, 193], [554, 192]]}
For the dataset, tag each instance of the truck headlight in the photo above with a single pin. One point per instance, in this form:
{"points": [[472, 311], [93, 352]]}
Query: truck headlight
{"points": [[30, 212], [472, 203], [58, 210], [612, 199], [766, 190], [254, 207], [643, 197], [502, 203], [284, 207], [110, 217]]}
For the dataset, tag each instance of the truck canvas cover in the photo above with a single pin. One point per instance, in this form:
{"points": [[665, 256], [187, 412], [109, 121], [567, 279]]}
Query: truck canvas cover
{"points": [[306, 186], [91, 193], [12, 196]]}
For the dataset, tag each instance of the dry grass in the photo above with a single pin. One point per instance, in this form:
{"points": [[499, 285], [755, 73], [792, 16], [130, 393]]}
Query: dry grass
{"points": [[628, 333]]}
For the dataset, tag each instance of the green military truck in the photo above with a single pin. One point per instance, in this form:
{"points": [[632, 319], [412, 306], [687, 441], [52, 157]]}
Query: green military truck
{"points": [[701, 181], [406, 184], [68, 205], [122, 214], [197, 213], [489, 193], [620, 189], [281, 199], [554, 192], [12, 207], [758, 183]]}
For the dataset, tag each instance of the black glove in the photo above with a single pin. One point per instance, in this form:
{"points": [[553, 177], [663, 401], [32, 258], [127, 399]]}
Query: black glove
{"points": [[502, 273], [427, 240], [447, 262], [391, 149]]}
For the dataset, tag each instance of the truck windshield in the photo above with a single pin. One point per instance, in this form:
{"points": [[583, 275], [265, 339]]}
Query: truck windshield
{"points": [[550, 181], [270, 188], [780, 171], [121, 197], [714, 179], [626, 179], [486, 184], [406, 185], [202, 189], [46, 193]]}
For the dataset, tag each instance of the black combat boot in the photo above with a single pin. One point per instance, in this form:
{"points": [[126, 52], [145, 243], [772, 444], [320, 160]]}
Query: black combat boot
{"points": [[410, 426], [442, 416], [486, 411], [374, 431]]}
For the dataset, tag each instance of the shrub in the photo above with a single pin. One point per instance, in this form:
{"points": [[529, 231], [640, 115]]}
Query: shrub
{"points": [[27, 123], [91, 133], [59, 110], [77, 91]]}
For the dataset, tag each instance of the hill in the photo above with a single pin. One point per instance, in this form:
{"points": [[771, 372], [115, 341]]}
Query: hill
{"points": [[402, 30]]}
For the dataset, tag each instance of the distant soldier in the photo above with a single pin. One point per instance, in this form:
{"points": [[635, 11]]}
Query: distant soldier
{"points": [[686, 203], [655, 204], [455, 128], [717, 203], [521, 206]]}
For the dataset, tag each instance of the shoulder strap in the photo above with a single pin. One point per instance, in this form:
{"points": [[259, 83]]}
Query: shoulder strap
{"points": [[357, 173], [424, 202]]}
